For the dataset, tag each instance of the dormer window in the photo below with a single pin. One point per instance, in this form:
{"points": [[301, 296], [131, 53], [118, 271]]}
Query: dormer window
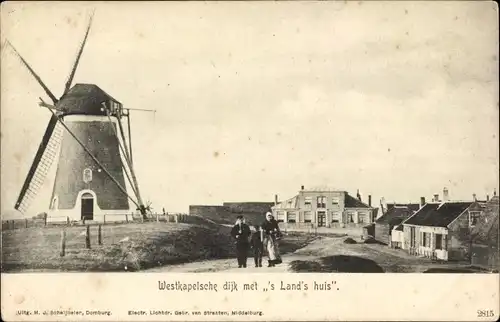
{"points": [[473, 217]]}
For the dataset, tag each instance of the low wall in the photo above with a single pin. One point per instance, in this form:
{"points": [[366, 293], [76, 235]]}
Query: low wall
{"points": [[251, 207], [352, 230], [224, 215]]}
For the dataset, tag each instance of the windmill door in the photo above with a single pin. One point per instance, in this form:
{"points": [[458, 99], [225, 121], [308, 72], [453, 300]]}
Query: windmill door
{"points": [[87, 206]]}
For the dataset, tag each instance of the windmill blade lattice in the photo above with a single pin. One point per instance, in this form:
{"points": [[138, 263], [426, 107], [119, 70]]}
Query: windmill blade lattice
{"points": [[44, 158]]}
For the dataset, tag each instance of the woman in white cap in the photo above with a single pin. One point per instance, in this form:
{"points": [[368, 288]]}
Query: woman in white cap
{"points": [[272, 234]]}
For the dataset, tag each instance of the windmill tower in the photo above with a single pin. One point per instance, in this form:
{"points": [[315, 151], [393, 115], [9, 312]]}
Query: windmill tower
{"points": [[95, 156]]}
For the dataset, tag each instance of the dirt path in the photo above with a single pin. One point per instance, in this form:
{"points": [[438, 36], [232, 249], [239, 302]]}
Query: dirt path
{"points": [[230, 265]]}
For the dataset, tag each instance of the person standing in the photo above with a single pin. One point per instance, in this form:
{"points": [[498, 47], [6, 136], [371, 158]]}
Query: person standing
{"points": [[257, 246], [272, 235], [240, 232]]}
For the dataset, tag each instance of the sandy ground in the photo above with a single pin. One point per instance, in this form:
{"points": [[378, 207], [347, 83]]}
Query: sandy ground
{"points": [[390, 260]]}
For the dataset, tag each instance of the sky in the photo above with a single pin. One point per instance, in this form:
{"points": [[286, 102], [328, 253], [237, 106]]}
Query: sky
{"points": [[253, 99]]}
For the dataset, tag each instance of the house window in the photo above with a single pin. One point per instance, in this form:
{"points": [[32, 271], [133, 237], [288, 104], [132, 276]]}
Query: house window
{"points": [[350, 217], [292, 217], [307, 202], [280, 216], [473, 217], [412, 236], [335, 201], [308, 216], [426, 239], [361, 218], [321, 202], [335, 217], [439, 241]]}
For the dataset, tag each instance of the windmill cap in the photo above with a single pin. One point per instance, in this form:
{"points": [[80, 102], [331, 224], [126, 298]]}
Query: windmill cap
{"points": [[85, 99]]}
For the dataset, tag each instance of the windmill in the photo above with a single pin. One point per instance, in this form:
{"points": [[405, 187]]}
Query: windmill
{"points": [[95, 155]]}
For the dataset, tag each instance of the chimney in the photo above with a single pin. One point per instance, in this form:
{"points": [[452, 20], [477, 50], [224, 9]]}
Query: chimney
{"points": [[436, 197], [358, 195], [445, 194], [275, 200], [301, 187], [474, 197], [422, 201], [369, 200], [383, 206]]}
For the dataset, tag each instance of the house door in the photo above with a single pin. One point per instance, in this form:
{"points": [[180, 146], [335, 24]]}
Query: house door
{"points": [[87, 206], [321, 219]]}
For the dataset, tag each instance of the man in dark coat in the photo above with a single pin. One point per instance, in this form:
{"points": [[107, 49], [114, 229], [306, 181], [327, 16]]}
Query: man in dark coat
{"points": [[240, 232]]}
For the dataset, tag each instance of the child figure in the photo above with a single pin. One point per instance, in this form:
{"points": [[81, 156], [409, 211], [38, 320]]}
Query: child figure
{"points": [[257, 246]]}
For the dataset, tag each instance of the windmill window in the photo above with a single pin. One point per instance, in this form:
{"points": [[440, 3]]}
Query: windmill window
{"points": [[54, 204], [87, 175]]}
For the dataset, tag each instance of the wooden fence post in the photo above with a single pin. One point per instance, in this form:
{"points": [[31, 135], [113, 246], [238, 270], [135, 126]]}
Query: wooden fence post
{"points": [[104, 219], [99, 235], [67, 220], [26, 223], [157, 218], [63, 243], [45, 220], [87, 237], [176, 218], [126, 218]]}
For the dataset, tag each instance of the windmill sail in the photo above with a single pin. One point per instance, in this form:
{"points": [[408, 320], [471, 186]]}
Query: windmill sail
{"points": [[41, 164], [78, 56]]}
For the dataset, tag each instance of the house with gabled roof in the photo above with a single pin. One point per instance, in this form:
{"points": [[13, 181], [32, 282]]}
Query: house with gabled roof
{"points": [[391, 219], [324, 208], [484, 231], [439, 230]]}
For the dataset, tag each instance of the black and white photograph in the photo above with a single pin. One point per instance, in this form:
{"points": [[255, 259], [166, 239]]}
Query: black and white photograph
{"points": [[268, 147], [250, 137]]}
